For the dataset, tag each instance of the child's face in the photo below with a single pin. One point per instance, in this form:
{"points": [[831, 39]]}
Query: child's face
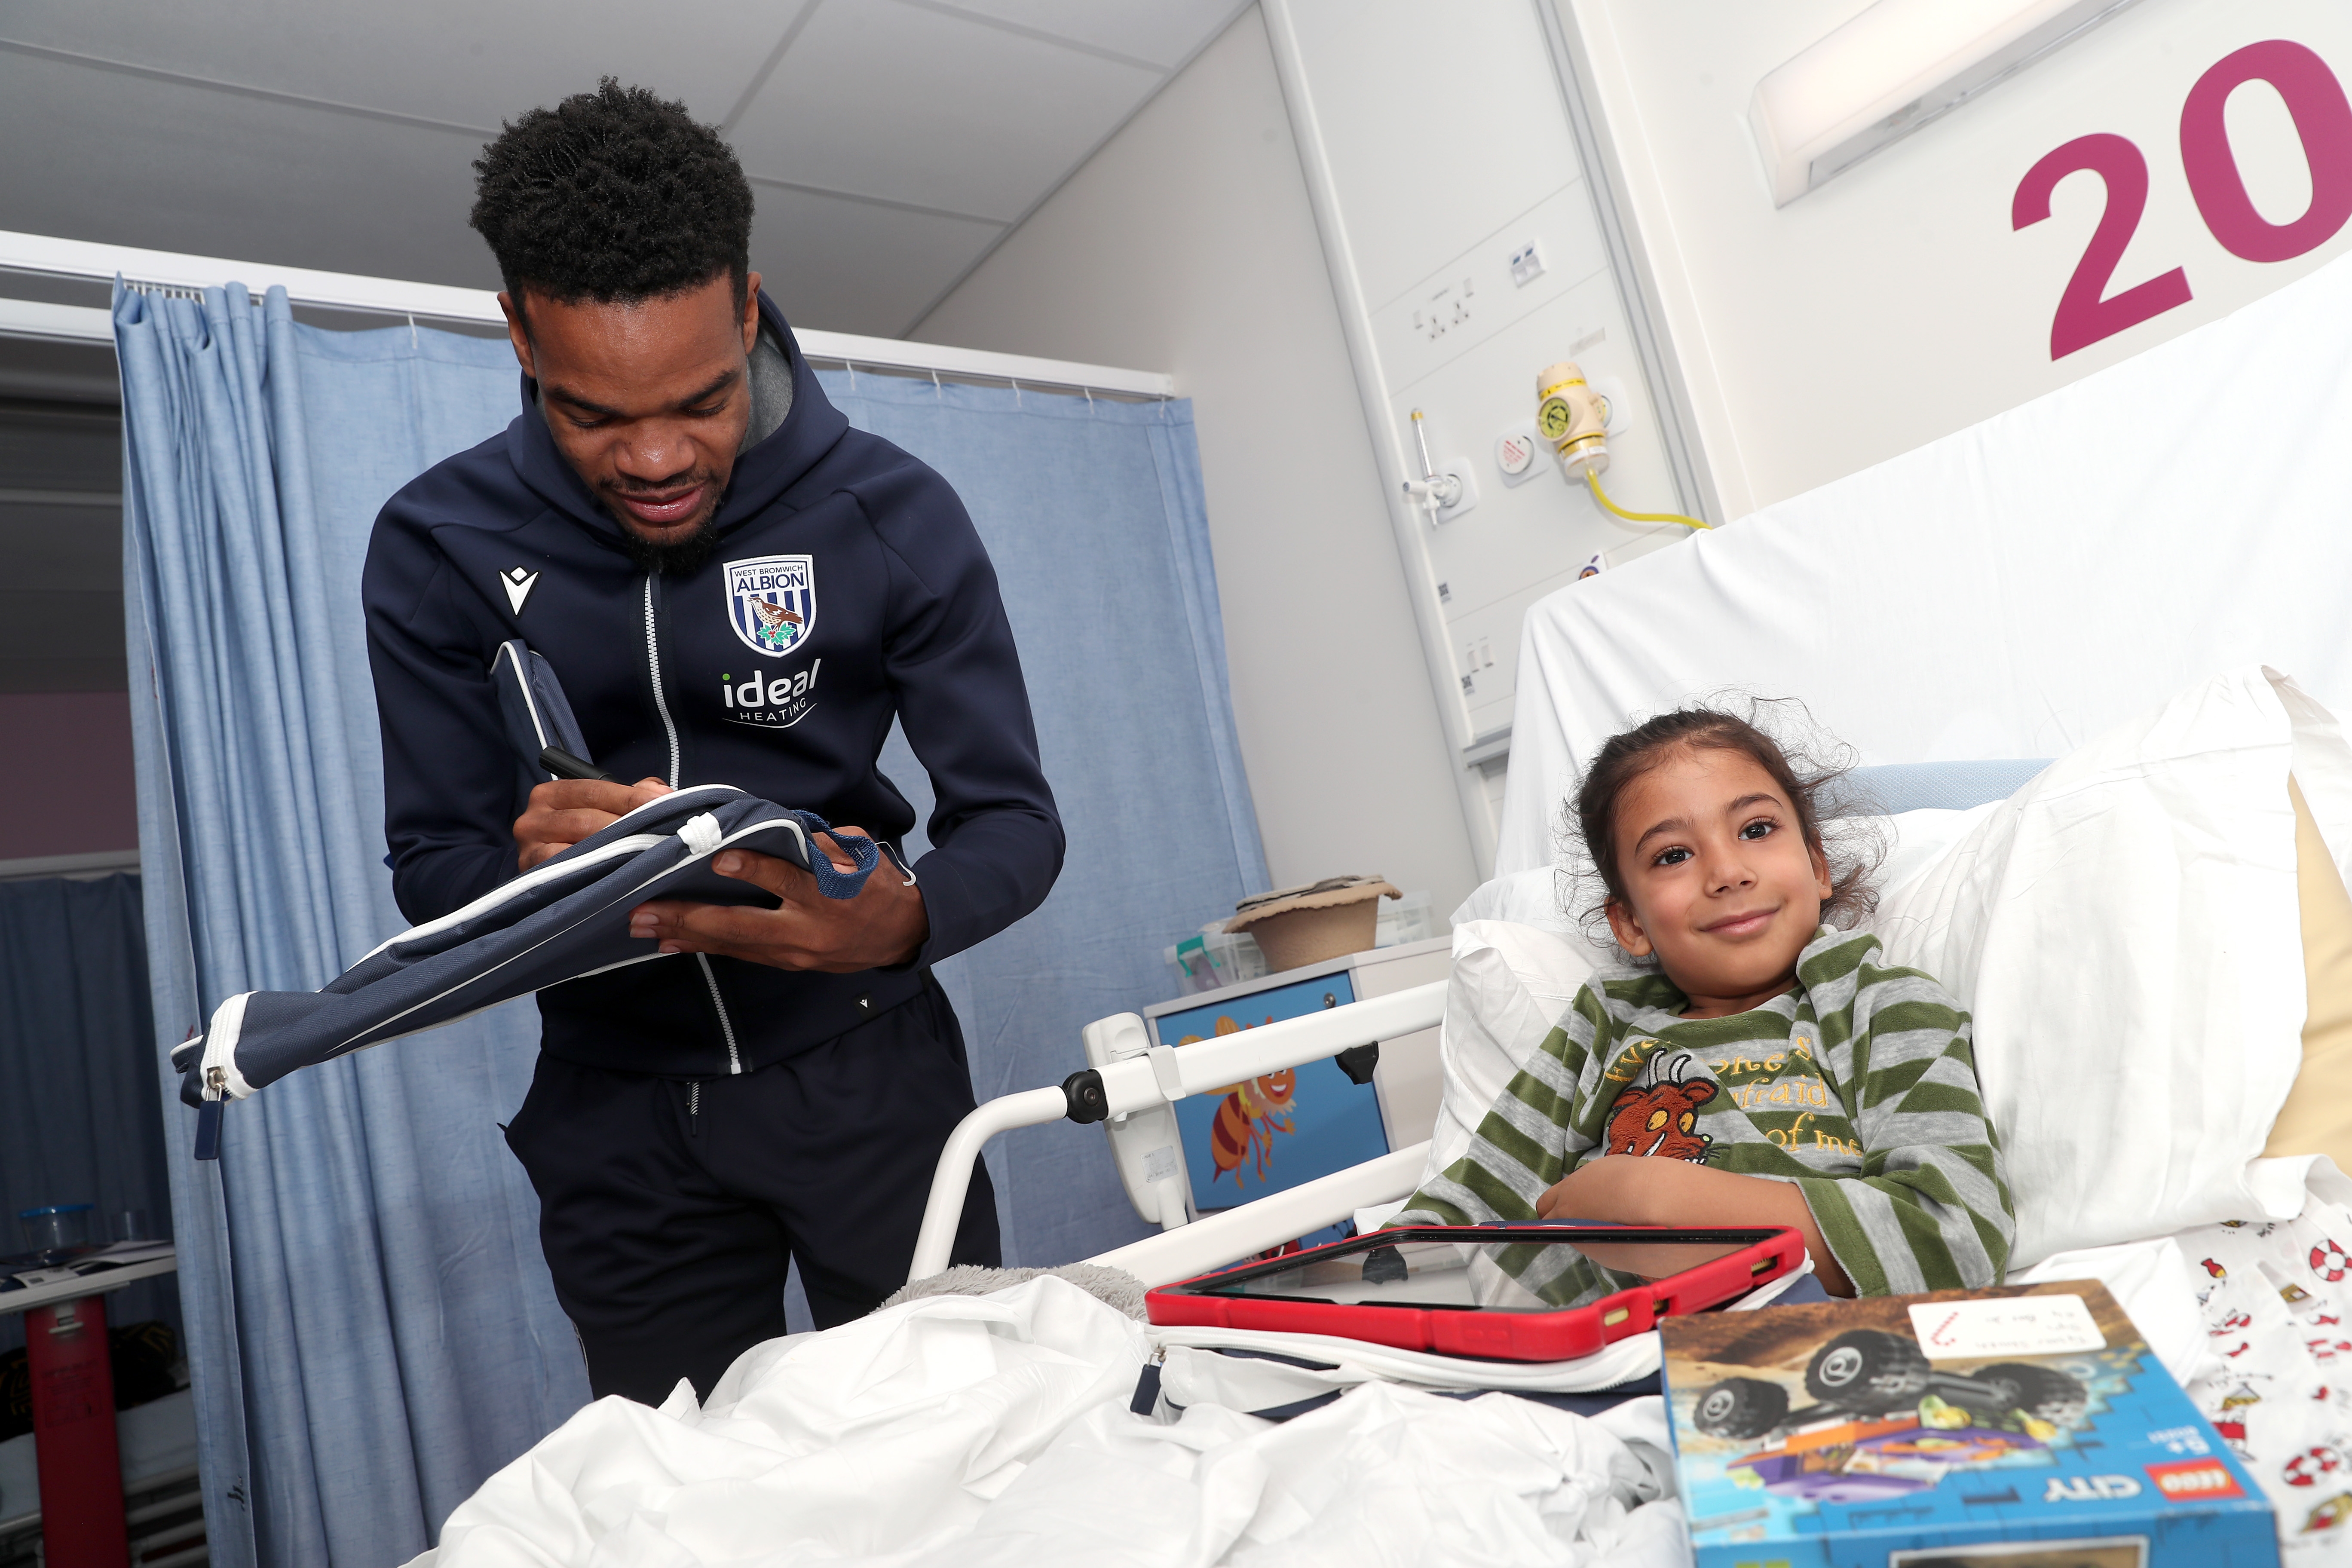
{"points": [[1719, 882]]}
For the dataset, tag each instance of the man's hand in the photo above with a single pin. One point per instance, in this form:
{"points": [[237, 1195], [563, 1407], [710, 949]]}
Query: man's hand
{"points": [[886, 924], [566, 811]]}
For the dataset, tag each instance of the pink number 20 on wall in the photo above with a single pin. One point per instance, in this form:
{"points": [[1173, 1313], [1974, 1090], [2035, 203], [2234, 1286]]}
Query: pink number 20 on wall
{"points": [[2323, 120]]}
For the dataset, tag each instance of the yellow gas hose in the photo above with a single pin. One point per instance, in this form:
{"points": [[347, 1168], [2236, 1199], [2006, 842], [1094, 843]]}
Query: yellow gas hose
{"points": [[1603, 497]]}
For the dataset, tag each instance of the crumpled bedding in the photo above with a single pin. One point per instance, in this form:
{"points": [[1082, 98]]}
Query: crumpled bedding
{"points": [[959, 1432]]}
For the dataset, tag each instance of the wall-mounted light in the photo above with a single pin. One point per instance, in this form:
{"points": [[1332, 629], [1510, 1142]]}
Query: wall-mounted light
{"points": [[1892, 69]]}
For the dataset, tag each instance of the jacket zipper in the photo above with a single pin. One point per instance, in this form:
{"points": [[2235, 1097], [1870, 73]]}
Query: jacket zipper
{"points": [[652, 666], [661, 706], [726, 1025], [694, 1109]]}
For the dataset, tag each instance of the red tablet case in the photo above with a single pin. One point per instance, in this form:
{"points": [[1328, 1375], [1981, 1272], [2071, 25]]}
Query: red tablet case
{"points": [[1507, 1335]]}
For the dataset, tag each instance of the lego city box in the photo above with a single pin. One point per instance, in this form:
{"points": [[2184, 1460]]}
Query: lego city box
{"points": [[2017, 1427]]}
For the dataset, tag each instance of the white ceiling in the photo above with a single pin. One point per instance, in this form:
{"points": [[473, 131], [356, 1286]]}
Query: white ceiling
{"points": [[890, 142]]}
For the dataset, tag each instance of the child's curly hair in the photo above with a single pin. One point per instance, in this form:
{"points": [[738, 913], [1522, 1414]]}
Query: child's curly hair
{"points": [[1810, 767]]}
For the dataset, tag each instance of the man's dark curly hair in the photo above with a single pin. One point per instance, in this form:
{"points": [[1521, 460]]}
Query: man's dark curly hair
{"points": [[612, 196]]}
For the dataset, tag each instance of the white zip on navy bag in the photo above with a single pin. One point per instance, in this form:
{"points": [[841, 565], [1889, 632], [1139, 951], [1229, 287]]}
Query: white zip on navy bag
{"points": [[565, 918]]}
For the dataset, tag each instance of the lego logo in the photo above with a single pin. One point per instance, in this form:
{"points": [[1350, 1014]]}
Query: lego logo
{"points": [[2189, 1478]]}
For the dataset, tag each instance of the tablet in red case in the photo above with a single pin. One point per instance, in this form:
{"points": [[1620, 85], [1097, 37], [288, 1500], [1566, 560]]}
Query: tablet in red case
{"points": [[1454, 1289]]}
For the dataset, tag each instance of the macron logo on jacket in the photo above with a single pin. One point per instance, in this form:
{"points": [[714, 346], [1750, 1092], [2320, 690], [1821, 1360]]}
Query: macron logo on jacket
{"points": [[518, 583]]}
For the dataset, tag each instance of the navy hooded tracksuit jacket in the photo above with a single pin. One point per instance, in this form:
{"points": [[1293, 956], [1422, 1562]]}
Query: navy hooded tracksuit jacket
{"points": [[849, 586]]}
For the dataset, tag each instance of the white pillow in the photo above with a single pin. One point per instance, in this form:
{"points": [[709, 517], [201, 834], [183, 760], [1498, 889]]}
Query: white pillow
{"points": [[2126, 931], [1509, 985], [1522, 898]]}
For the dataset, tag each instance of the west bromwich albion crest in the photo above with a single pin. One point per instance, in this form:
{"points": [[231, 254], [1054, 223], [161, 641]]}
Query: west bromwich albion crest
{"points": [[772, 601]]}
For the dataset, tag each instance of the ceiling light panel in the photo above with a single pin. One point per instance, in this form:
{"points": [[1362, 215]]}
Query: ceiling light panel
{"points": [[854, 266], [453, 60], [1895, 67], [907, 104], [1161, 33], [129, 161]]}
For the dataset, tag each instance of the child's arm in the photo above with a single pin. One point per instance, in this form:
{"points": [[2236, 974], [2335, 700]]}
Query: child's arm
{"points": [[1930, 1210], [1631, 1190], [1526, 1140]]}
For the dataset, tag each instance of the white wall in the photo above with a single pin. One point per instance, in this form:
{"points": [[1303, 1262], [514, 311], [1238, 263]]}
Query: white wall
{"points": [[1270, 226], [1438, 142], [1896, 303], [1187, 245]]}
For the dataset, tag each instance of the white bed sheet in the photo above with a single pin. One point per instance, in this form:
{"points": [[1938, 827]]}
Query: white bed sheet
{"points": [[963, 1433], [154, 1439], [966, 1433]]}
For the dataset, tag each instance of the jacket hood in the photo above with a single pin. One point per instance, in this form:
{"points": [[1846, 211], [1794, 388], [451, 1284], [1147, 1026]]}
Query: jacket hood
{"points": [[761, 477]]}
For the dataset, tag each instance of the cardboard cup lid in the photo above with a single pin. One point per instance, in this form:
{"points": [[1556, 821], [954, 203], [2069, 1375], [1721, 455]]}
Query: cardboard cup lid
{"points": [[1328, 893]]}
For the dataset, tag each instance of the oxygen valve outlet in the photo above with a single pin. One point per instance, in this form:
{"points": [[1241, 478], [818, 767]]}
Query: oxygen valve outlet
{"points": [[1574, 418]]}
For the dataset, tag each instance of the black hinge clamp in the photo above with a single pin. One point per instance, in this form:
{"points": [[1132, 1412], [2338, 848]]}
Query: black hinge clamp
{"points": [[1084, 1090]]}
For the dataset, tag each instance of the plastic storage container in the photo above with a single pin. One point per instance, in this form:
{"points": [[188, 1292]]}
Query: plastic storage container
{"points": [[1409, 919], [56, 1227], [1214, 960]]}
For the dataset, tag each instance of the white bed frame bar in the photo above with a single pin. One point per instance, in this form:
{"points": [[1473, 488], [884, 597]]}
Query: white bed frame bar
{"points": [[430, 302], [1163, 1073]]}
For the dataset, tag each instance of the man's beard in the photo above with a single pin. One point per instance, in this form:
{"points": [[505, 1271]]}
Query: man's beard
{"points": [[671, 557]]}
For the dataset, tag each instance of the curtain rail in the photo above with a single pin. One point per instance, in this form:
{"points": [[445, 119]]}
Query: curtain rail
{"points": [[167, 271]]}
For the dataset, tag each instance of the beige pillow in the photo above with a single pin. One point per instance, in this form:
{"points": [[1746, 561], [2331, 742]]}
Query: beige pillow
{"points": [[2317, 1116]]}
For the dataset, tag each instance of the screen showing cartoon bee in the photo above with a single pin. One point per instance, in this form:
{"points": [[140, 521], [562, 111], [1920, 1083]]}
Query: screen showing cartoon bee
{"points": [[1279, 1130]]}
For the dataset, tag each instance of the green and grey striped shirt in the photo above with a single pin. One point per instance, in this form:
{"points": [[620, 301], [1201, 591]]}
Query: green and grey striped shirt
{"points": [[1859, 1086]]}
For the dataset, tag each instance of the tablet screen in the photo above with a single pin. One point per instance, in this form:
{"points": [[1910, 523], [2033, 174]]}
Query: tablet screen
{"points": [[1530, 1271]]}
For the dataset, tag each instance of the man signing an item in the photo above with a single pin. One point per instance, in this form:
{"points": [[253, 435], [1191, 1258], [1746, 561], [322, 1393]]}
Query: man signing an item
{"points": [[732, 586]]}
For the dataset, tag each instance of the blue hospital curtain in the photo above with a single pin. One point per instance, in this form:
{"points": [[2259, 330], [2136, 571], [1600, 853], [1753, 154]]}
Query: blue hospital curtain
{"points": [[370, 1328], [1092, 511]]}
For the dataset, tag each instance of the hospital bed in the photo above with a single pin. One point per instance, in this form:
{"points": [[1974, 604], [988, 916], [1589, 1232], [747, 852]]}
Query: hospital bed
{"points": [[2020, 589], [1136, 1082], [2167, 852]]}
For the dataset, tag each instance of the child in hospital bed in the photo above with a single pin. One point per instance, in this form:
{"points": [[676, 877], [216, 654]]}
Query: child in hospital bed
{"points": [[1768, 1069]]}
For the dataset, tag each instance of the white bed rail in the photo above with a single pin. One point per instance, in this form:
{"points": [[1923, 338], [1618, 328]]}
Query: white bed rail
{"points": [[1166, 1073], [1221, 1239]]}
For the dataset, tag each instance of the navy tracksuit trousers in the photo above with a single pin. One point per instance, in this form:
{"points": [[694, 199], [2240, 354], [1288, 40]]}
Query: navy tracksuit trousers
{"points": [[669, 1207]]}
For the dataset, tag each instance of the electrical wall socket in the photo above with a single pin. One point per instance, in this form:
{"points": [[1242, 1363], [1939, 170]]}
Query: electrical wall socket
{"points": [[1466, 300], [1445, 307]]}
